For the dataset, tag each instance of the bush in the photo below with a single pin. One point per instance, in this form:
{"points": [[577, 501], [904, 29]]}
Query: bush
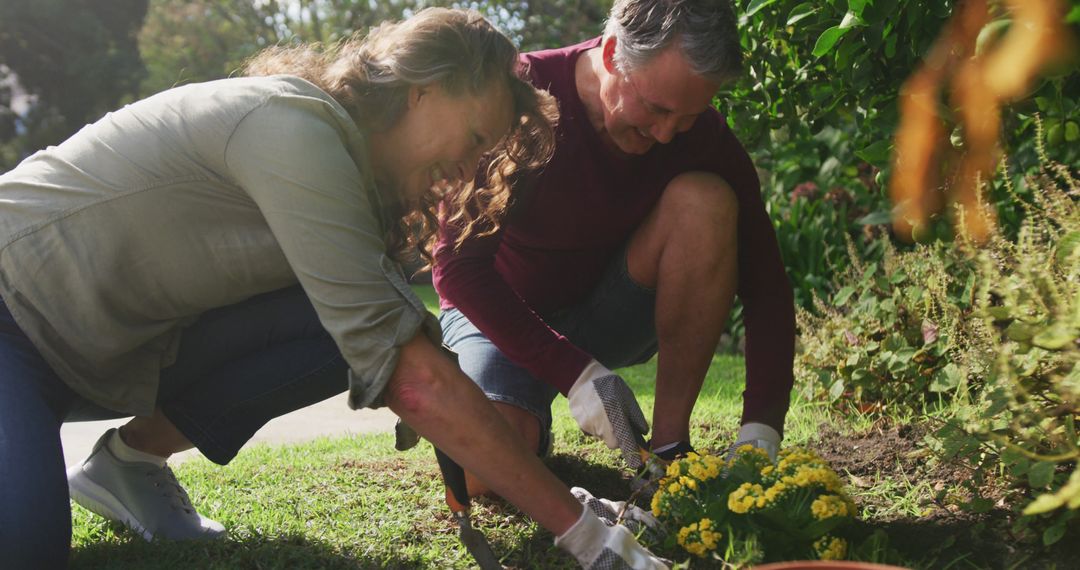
{"points": [[994, 331]]}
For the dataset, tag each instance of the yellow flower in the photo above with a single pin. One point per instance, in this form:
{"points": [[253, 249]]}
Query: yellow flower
{"points": [[828, 506], [831, 548], [775, 491], [699, 538], [656, 507], [746, 497], [766, 470], [673, 470], [674, 488]]}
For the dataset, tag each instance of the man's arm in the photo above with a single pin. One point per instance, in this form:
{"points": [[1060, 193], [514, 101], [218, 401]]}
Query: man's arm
{"points": [[468, 279], [768, 306]]}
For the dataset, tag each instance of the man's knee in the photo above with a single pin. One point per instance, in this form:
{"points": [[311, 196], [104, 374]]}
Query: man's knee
{"points": [[694, 198]]}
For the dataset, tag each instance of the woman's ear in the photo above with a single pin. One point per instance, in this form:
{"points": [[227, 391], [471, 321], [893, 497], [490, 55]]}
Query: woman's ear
{"points": [[417, 94]]}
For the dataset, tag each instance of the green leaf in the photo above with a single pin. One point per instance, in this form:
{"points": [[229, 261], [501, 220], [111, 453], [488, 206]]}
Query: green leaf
{"points": [[836, 390], [800, 12], [946, 379], [755, 6], [828, 39], [1041, 474], [877, 153], [1055, 336], [1072, 132], [875, 218], [857, 6], [1053, 534], [1020, 332], [1044, 504], [1074, 15], [851, 21], [842, 296], [1066, 246]]}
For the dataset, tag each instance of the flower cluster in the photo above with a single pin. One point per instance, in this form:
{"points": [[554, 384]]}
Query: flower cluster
{"points": [[699, 537], [789, 506]]}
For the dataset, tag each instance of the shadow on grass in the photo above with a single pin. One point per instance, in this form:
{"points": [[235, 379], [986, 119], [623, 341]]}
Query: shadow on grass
{"points": [[277, 552]]}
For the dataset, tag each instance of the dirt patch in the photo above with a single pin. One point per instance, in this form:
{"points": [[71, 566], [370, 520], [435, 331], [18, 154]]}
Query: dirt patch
{"points": [[946, 532]]}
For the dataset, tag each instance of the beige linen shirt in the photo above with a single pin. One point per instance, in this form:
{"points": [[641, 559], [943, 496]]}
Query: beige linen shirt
{"points": [[200, 197]]}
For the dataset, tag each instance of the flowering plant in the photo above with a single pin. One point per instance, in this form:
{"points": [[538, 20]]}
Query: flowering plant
{"points": [[790, 508]]}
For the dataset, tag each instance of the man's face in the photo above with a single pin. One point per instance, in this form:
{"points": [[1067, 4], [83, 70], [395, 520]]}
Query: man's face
{"points": [[653, 102]]}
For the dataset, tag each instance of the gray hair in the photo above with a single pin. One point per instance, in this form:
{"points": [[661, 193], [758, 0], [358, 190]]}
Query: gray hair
{"points": [[703, 30]]}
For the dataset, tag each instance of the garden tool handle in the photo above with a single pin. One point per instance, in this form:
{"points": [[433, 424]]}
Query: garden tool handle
{"points": [[457, 493], [457, 498]]}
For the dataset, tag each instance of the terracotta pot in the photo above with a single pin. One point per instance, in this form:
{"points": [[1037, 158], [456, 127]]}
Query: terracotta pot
{"points": [[825, 565]]}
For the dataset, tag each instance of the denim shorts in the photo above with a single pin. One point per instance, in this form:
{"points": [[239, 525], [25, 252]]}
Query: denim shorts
{"points": [[615, 324]]}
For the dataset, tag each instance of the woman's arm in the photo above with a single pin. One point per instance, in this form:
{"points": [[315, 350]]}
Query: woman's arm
{"points": [[430, 393]]}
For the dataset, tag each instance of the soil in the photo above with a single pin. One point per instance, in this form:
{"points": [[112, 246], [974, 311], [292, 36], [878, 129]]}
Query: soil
{"points": [[947, 534]]}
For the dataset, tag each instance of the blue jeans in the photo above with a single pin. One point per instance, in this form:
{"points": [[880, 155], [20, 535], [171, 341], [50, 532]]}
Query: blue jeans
{"points": [[615, 325], [237, 368]]}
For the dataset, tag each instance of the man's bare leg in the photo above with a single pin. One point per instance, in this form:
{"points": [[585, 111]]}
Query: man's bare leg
{"points": [[686, 251]]}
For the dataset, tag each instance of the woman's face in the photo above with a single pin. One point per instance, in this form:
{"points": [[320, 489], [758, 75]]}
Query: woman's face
{"points": [[440, 138]]}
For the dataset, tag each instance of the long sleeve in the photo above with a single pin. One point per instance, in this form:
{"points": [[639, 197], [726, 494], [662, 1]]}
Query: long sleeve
{"points": [[293, 158], [768, 307], [469, 281]]}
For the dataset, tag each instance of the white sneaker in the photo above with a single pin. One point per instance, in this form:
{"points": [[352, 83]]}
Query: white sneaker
{"points": [[143, 496]]}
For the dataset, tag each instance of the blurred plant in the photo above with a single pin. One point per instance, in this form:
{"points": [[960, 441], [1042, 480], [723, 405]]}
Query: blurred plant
{"points": [[980, 75], [751, 508], [994, 330]]}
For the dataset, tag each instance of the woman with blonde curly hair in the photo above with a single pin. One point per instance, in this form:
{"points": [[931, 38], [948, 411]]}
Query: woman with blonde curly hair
{"points": [[223, 253]]}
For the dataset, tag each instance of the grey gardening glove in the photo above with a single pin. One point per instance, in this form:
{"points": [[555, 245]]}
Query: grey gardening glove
{"points": [[615, 512], [604, 406], [758, 435], [597, 546]]}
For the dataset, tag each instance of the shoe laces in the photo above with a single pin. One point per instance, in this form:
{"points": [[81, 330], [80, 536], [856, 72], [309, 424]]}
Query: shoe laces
{"points": [[165, 481]]}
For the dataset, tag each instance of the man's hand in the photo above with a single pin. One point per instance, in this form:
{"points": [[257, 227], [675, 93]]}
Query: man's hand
{"points": [[604, 406], [614, 512], [597, 545], [758, 435]]}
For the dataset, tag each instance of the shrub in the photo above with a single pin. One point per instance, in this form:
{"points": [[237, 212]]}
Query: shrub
{"points": [[994, 330]]}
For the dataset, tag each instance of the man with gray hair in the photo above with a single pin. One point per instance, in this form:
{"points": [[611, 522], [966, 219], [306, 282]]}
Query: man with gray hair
{"points": [[632, 242]]}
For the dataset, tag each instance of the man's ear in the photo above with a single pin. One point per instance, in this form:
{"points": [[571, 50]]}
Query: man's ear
{"points": [[608, 54]]}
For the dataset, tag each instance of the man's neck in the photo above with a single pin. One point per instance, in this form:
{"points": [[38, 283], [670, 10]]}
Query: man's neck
{"points": [[587, 72]]}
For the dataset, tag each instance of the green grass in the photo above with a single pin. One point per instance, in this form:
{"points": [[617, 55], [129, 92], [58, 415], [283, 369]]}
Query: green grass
{"points": [[355, 502]]}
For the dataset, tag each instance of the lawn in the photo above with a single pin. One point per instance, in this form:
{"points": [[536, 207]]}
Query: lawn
{"points": [[357, 503]]}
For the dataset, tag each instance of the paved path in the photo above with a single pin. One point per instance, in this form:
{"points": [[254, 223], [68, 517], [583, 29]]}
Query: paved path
{"points": [[329, 418]]}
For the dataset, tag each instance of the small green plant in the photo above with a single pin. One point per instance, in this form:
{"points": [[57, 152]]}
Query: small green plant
{"points": [[896, 335]]}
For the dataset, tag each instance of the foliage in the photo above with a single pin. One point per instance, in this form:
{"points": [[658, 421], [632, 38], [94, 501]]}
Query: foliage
{"points": [[73, 61], [753, 507], [1023, 419], [819, 106], [896, 333], [994, 331]]}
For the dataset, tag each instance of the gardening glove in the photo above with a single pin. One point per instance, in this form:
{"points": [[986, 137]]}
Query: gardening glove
{"points": [[604, 406], [596, 545], [614, 512], [758, 435]]}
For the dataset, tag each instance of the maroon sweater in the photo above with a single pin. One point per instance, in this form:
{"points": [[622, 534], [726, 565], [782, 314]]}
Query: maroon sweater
{"points": [[566, 225]]}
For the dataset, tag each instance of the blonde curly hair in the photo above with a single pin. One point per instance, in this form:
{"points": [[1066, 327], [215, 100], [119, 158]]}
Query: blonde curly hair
{"points": [[370, 76]]}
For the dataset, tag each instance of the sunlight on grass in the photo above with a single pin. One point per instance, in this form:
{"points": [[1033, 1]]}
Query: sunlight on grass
{"points": [[356, 502]]}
